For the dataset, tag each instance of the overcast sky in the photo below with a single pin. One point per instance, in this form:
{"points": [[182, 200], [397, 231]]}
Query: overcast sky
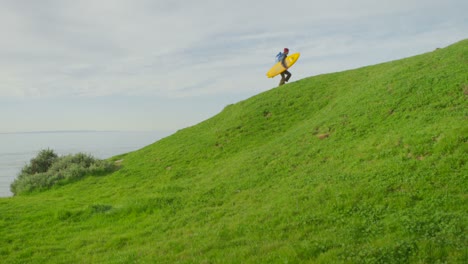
{"points": [[165, 65]]}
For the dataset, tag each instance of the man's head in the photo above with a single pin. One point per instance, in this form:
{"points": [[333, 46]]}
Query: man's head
{"points": [[286, 51]]}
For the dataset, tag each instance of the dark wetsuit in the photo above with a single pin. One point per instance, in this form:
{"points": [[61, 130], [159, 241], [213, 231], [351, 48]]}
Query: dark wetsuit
{"points": [[284, 75]]}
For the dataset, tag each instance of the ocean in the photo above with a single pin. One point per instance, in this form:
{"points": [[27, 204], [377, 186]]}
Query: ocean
{"points": [[17, 149]]}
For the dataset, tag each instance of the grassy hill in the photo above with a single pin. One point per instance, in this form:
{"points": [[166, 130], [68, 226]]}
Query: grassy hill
{"points": [[362, 166]]}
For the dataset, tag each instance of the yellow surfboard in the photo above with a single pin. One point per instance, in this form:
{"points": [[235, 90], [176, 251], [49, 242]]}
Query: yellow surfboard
{"points": [[278, 67]]}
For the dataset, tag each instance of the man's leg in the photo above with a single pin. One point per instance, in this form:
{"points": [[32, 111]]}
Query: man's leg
{"points": [[283, 79], [288, 75]]}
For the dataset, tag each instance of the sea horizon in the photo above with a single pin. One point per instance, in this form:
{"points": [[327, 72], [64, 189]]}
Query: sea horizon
{"points": [[81, 131]]}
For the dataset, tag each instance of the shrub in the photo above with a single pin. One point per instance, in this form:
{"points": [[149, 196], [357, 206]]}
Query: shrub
{"points": [[48, 169], [41, 163]]}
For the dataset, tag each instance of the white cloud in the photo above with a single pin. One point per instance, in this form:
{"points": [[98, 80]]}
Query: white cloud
{"points": [[173, 49]]}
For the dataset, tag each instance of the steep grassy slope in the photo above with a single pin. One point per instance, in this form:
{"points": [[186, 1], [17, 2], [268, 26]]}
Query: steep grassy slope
{"points": [[367, 165]]}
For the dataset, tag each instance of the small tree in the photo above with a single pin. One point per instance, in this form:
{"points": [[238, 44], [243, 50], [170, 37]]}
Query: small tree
{"points": [[41, 163]]}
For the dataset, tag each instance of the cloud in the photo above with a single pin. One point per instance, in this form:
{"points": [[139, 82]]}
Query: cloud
{"points": [[183, 49]]}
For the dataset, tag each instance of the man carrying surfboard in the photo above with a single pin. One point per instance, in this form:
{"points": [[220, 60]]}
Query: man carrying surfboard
{"points": [[283, 63], [286, 74]]}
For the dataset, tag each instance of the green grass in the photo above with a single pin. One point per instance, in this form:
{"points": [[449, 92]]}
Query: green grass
{"points": [[362, 166]]}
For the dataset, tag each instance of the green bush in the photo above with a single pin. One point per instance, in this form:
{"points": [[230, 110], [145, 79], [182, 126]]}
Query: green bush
{"points": [[48, 169], [41, 163]]}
